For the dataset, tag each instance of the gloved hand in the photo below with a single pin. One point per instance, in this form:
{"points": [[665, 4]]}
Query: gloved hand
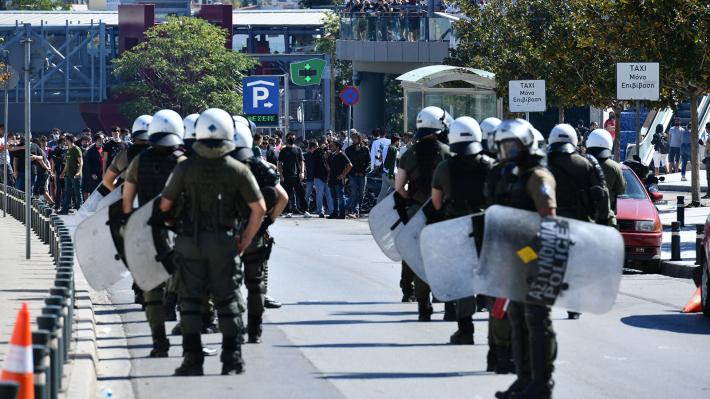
{"points": [[265, 225], [122, 218], [159, 219], [400, 205]]}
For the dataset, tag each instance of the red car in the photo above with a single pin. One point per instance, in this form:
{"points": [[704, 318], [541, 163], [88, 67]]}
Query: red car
{"points": [[640, 224], [702, 278]]}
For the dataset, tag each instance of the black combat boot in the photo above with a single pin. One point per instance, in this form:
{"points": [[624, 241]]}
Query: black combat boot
{"points": [[536, 390], [517, 386], [504, 361], [170, 302], [491, 359], [449, 311], [161, 344], [425, 309], [464, 335], [232, 362], [254, 330], [137, 295], [193, 359], [271, 303]]}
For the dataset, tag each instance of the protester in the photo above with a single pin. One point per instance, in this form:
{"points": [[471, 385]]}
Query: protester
{"points": [[93, 166], [338, 167], [72, 176], [291, 168], [359, 156]]}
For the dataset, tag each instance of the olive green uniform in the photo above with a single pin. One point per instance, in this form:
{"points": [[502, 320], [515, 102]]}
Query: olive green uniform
{"points": [[615, 181], [217, 190], [419, 162], [533, 338], [461, 179]]}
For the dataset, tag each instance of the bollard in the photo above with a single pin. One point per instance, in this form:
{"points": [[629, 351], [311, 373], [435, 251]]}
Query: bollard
{"points": [[69, 285], [675, 241], [9, 389], [699, 235], [680, 210], [40, 358], [60, 301], [49, 323], [64, 292], [59, 312], [42, 338]]}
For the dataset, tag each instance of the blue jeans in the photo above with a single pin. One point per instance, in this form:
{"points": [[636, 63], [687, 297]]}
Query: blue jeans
{"points": [[322, 191], [357, 190], [309, 190], [337, 190], [72, 191], [20, 182], [684, 157]]}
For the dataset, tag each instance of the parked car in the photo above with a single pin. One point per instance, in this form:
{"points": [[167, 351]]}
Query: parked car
{"points": [[702, 275], [639, 223]]}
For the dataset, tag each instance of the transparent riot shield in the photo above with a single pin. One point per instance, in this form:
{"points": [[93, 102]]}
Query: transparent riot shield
{"points": [[407, 241], [385, 225], [115, 195], [549, 261], [98, 248], [450, 257], [149, 248]]}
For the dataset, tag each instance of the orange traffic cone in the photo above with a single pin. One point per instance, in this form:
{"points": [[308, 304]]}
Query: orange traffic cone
{"points": [[18, 364], [694, 305]]}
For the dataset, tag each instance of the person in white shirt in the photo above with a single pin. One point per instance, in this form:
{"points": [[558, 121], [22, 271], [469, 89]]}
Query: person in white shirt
{"points": [[378, 149]]}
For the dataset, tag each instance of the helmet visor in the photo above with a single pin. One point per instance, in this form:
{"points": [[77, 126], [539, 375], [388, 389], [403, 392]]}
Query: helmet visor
{"points": [[509, 149]]}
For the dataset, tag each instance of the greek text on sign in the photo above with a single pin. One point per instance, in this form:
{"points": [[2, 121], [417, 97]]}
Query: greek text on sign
{"points": [[527, 96], [637, 81]]}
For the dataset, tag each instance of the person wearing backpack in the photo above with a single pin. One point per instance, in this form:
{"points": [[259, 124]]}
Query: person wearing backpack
{"points": [[660, 146]]}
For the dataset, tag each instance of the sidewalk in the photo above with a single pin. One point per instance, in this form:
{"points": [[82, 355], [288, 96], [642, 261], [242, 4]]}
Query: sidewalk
{"points": [[21, 280], [673, 183]]}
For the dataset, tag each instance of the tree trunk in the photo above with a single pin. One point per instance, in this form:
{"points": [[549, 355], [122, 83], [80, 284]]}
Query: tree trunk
{"points": [[617, 134], [694, 164], [560, 115]]}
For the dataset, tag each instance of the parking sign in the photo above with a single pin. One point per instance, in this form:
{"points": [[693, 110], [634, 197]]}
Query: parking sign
{"points": [[261, 95]]}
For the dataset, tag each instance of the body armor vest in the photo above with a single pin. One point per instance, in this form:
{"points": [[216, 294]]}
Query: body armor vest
{"points": [[467, 185], [153, 170]]}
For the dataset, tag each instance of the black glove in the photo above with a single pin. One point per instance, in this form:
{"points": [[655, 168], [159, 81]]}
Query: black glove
{"points": [[159, 219], [265, 225], [400, 205], [122, 218]]}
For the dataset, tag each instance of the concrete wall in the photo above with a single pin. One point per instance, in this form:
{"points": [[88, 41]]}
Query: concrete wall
{"points": [[44, 117], [368, 113]]}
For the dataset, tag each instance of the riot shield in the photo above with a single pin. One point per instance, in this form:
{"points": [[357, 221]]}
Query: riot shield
{"points": [[149, 248], [115, 195], [385, 225], [98, 247], [407, 241], [89, 206], [549, 261], [450, 257]]}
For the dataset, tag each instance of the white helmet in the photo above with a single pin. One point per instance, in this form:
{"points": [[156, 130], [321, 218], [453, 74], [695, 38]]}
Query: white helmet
{"points": [[465, 136], [189, 125], [563, 138], [512, 137], [600, 143], [488, 130], [166, 129], [539, 138], [241, 119], [214, 124], [432, 120], [242, 135], [139, 131]]}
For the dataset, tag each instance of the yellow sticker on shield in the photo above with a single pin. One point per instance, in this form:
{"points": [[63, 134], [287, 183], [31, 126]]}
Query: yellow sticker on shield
{"points": [[527, 255]]}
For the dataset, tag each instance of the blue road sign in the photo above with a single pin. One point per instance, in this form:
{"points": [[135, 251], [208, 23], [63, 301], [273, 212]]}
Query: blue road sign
{"points": [[261, 95], [350, 95]]}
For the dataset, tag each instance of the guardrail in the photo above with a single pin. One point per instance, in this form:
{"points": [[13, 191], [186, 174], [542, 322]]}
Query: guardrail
{"points": [[52, 340]]}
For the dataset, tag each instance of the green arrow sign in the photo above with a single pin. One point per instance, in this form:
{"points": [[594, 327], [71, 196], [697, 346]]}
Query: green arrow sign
{"points": [[308, 72]]}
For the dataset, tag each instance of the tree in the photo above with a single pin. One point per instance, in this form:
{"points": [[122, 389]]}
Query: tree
{"points": [[182, 65], [44, 5], [341, 71], [318, 3]]}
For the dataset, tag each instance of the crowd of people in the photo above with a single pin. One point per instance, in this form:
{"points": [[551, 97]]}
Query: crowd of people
{"points": [[64, 167]]}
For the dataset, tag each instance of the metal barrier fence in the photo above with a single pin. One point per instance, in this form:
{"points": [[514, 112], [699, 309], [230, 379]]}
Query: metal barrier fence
{"points": [[52, 339]]}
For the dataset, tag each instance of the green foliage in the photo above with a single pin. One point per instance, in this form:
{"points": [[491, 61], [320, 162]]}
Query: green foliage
{"points": [[341, 71], [182, 65], [44, 5], [316, 3]]}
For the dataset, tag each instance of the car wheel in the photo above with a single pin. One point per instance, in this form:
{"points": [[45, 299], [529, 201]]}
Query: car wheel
{"points": [[705, 291]]}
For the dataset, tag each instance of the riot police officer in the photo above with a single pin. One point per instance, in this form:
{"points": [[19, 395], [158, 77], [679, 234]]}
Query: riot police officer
{"points": [[525, 183], [222, 212], [256, 257], [416, 169], [145, 178], [457, 189], [488, 129], [139, 134], [599, 145], [190, 135]]}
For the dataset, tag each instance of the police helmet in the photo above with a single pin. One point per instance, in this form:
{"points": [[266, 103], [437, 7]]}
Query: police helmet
{"points": [[563, 139], [539, 138], [242, 135], [139, 131], [166, 129], [600, 143], [513, 137], [214, 124], [465, 136], [432, 120], [248, 122], [189, 125], [488, 130]]}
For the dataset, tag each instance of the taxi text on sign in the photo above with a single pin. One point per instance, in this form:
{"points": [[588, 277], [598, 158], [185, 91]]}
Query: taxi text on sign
{"points": [[637, 81], [527, 96]]}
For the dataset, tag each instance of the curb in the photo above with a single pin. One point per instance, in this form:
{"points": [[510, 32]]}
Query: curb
{"points": [[678, 269], [82, 381], [679, 188]]}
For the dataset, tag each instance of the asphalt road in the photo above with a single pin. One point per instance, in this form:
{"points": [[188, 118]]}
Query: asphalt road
{"points": [[342, 333]]}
